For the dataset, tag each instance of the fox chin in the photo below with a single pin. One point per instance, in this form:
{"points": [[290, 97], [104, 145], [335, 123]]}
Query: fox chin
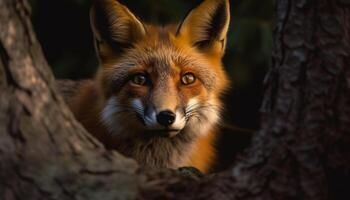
{"points": [[156, 95]]}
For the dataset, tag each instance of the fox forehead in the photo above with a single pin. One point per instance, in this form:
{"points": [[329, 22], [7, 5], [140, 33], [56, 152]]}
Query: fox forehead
{"points": [[163, 59]]}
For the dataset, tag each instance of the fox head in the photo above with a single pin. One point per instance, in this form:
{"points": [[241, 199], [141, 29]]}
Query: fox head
{"points": [[160, 81]]}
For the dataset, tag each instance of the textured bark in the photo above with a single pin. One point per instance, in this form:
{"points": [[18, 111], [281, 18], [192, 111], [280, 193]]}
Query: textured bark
{"points": [[301, 152]]}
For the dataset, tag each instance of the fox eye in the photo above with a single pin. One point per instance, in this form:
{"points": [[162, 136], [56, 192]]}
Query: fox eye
{"points": [[139, 79], [188, 78]]}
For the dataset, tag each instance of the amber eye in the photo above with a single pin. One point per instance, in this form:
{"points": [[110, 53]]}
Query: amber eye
{"points": [[188, 79], [139, 79]]}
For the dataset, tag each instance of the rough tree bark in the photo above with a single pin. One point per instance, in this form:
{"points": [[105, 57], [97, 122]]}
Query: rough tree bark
{"points": [[301, 152]]}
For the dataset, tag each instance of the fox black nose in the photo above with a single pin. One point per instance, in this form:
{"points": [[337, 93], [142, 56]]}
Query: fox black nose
{"points": [[166, 118]]}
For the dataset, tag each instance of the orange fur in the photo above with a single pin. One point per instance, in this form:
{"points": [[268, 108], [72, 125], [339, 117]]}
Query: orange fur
{"points": [[203, 157]]}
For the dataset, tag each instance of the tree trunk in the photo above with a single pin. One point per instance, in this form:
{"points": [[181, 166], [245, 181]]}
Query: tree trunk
{"points": [[301, 152]]}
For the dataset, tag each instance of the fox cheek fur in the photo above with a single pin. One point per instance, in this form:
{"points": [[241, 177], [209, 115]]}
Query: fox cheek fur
{"points": [[156, 95]]}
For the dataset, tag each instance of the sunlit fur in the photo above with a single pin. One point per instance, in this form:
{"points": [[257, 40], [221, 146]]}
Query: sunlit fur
{"points": [[122, 115]]}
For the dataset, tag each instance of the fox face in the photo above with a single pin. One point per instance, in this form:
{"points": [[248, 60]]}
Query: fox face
{"points": [[161, 91], [160, 87]]}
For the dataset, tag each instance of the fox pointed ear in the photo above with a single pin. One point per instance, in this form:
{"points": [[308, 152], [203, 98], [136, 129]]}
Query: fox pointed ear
{"points": [[114, 26], [206, 26]]}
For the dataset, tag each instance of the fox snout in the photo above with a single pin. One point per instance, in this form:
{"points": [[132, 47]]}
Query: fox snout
{"points": [[156, 119]]}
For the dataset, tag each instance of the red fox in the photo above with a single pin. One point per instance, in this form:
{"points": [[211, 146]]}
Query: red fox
{"points": [[156, 95]]}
